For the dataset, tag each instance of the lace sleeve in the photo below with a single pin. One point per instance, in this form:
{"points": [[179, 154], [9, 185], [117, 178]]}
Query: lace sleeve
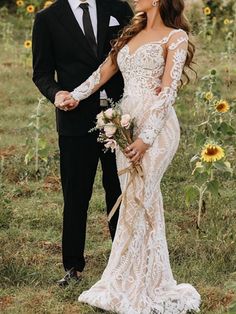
{"points": [[154, 119], [105, 71]]}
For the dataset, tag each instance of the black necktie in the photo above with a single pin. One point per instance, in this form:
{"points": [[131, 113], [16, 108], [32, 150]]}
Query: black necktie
{"points": [[88, 28]]}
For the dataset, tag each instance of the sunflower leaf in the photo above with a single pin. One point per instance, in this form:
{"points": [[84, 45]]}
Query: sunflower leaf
{"points": [[222, 166], [191, 193], [201, 177], [213, 187], [226, 128], [200, 139], [194, 158]]}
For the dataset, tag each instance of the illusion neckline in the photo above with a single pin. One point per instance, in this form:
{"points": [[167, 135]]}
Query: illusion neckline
{"points": [[161, 41]]}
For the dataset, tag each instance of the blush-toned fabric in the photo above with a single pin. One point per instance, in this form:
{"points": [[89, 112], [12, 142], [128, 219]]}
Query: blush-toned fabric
{"points": [[138, 277]]}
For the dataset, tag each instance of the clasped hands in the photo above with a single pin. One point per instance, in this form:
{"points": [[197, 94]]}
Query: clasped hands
{"points": [[135, 151], [64, 101]]}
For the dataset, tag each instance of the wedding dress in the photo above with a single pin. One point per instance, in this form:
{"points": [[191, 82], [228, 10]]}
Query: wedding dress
{"points": [[138, 277]]}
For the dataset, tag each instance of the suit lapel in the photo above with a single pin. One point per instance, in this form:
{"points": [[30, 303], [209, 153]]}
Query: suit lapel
{"points": [[103, 17], [69, 21]]}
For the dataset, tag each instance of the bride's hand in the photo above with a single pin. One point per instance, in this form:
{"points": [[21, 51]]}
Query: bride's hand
{"points": [[136, 150]]}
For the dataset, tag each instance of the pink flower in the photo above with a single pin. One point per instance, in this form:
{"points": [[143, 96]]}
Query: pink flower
{"points": [[110, 143], [110, 129], [109, 113], [125, 121], [100, 121]]}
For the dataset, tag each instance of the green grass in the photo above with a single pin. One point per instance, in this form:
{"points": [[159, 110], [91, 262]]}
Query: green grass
{"points": [[31, 211]]}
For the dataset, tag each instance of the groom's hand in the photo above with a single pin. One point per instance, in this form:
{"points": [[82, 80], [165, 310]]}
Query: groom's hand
{"points": [[70, 103], [59, 98], [64, 101]]}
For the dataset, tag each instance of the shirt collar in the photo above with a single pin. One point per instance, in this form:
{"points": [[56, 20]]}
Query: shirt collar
{"points": [[75, 3]]}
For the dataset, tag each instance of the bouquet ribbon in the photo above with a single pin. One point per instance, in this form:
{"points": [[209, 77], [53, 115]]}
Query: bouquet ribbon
{"points": [[133, 170]]}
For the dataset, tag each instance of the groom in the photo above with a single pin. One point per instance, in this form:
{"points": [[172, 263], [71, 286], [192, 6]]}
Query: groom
{"points": [[71, 39]]}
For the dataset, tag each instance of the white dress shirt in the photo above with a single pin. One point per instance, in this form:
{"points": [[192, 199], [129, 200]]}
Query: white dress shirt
{"points": [[78, 13]]}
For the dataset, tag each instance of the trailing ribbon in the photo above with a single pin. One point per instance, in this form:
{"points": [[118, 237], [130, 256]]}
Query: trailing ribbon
{"points": [[133, 170]]}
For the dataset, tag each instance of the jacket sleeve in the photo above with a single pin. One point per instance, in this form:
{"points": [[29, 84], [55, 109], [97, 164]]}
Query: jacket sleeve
{"points": [[155, 117], [43, 59]]}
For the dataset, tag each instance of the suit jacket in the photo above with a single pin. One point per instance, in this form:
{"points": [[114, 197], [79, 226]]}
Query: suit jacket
{"points": [[63, 59]]}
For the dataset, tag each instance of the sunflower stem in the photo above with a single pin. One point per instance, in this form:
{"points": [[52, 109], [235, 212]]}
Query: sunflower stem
{"points": [[200, 203], [211, 178]]}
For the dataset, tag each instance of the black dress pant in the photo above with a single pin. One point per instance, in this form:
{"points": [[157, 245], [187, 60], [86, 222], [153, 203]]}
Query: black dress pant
{"points": [[79, 156]]}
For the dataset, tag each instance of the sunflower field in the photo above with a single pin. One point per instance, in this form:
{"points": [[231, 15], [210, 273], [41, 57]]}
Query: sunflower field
{"points": [[199, 188]]}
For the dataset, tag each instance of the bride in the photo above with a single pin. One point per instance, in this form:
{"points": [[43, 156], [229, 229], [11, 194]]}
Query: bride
{"points": [[151, 52]]}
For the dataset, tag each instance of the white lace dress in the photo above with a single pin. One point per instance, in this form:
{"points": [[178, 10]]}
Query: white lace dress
{"points": [[138, 277]]}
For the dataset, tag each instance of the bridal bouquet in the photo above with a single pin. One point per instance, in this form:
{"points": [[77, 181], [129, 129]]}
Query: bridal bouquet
{"points": [[115, 128]]}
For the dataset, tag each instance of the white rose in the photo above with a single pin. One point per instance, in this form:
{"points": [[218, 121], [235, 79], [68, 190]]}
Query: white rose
{"points": [[125, 121], [110, 129], [100, 121], [109, 113], [111, 144]]}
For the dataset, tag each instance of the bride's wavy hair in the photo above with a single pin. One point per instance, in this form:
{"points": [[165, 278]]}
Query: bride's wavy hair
{"points": [[172, 14]]}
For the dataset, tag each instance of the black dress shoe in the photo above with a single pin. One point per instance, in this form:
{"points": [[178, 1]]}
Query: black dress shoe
{"points": [[69, 276]]}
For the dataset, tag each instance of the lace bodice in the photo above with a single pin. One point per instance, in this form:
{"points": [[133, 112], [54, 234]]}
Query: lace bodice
{"points": [[152, 65], [143, 69]]}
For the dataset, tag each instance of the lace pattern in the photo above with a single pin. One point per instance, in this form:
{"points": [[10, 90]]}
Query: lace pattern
{"points": [[139, 280], [179, 41], [158, 113], [87, 88]]}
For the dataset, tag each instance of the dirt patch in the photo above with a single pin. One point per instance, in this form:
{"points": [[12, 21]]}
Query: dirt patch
{"points": [[52, 183], [7, 152], [5, 302]]}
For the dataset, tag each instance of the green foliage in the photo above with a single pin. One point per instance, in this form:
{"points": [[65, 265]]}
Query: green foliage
{"points": [[214, 136], [22, 7], [31, 205], [214, 20], [37, 148], [220, 9], [6, 30]]}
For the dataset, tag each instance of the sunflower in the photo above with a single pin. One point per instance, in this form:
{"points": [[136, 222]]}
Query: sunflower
{"points": [[28, 44], [30, 8], [222, 106], [209, 96], [207, 11], [20, 3], [212, 152], [47, 4]]}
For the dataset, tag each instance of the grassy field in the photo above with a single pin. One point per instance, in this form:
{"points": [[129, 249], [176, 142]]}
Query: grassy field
{"points": [[31, 206]]}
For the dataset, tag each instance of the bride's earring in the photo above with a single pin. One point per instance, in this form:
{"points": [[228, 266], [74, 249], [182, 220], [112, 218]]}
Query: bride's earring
{"points": [[155, 3]]}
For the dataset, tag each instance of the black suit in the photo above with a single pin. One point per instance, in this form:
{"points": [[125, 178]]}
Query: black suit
{"points": [[59, 46]]}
